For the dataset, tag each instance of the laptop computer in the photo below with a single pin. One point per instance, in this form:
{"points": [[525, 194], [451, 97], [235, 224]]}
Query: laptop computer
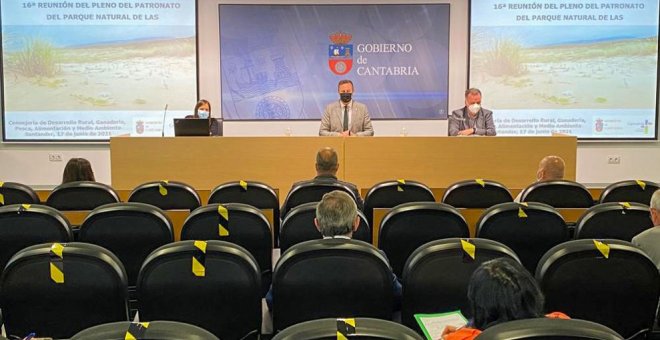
{"points": [[191, 127]]}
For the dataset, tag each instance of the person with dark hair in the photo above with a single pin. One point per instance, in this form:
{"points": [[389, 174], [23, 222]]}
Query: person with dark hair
{"points": [[472, 119], [346, 117], [500, 290], [203, 111], [77, 169], [327, 164]]}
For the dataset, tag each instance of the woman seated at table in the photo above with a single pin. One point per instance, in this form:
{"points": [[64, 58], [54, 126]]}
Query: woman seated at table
{"points": [[500, 290], [203, 111]]}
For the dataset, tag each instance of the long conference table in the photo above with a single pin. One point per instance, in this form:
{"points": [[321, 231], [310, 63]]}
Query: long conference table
{"points": [[205, 162]]}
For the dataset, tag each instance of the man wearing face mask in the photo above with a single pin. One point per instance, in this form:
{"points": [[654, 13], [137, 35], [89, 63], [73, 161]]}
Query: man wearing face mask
{"points": [[346, 117], [551, 168], [472, 119]]}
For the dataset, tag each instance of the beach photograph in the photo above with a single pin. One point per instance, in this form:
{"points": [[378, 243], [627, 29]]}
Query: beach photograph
{"points": [[565, 67]]}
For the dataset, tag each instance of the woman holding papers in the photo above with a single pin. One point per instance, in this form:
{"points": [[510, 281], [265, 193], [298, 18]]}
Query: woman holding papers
{"points": [[500, 290]]}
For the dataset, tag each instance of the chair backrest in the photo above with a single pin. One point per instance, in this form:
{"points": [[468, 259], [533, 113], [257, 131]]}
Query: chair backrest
{"points": [[325, 278], [389, 194], [167, 195], [245, 225], [437, 274], [360, 328], [549, 329], [621, 221], [610, 282], [23, 225], [311, 191], [476, 193], [629, 191], [82, 195], [257, 194], [559, 194], [530, 229], [129, 230], [16, 193], [410, 225], [85, 286], [156, 330], [217, 288], [298, 226]]}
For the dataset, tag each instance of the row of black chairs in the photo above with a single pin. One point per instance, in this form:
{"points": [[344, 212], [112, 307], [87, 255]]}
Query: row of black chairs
{"points": [[216, 285], [362, 328], [133, 230], [465, 194]]}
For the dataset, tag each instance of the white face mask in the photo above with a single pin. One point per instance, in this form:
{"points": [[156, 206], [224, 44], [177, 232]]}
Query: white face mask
{"points": [[474, 108], [203, 114]]}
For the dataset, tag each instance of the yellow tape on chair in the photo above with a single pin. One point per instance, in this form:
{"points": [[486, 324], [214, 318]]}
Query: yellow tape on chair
{"points": [[57, 263], [2, 197], [345, 328], [480, 182], [469, 248], [162, 187], [223, 225], [136, 330], [399, 187], [603, 248], [199, 259], [243, 185], [641, 184]]}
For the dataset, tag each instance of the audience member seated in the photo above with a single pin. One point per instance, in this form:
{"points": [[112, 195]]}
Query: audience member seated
{"points": [[337, 218], [550, 168], [327, 164], [649, 240], [500, 290], [77, 169]]}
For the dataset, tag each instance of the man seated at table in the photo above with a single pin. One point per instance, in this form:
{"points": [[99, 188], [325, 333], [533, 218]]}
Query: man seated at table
{"points": [[327, 164], [472, 119], [346, 117]]}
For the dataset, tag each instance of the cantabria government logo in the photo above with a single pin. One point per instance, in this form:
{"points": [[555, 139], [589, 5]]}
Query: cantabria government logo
{"points": [[340, 53]]}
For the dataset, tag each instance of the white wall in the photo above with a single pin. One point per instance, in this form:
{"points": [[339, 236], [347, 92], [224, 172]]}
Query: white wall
{"points": [[29, 163]]}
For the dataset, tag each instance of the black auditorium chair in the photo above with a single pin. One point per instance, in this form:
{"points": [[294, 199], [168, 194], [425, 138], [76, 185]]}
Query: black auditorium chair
{"points": [[629, 191], [545, 329], [26, 225], [154, 330], [389, 194], [476, 193], [298, 226], [247, 226], [436, 276], [129, 230], [82, 195], [167, 195], [558, 194], [17, 193], [212, 284], [610, 282], [57, 290], [356, 328], [257, 194], [325, 278], [311, 192], [410, 225], [530, 229], [616, 220]]}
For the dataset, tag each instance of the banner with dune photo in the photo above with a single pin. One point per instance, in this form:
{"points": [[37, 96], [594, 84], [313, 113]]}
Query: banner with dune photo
{"points": [[585, 68], [87, 70]]}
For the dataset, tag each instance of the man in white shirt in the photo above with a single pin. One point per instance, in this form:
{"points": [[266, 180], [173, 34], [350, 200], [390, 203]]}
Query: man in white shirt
{"points": [[649, 240]]}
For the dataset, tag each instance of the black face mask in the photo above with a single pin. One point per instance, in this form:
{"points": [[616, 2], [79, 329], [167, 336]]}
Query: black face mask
{"points": [[345, 97]]}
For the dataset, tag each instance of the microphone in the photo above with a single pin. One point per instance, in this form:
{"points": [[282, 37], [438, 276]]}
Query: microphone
{"points": [[162, 132]]}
